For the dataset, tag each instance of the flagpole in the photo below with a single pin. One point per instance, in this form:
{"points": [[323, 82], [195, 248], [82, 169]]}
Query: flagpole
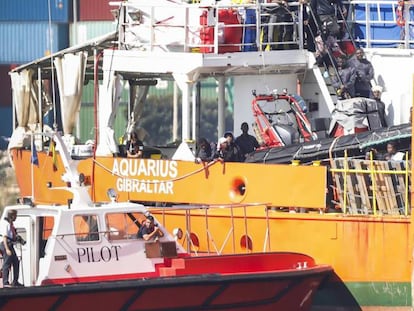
{"points": [[31, 165]]}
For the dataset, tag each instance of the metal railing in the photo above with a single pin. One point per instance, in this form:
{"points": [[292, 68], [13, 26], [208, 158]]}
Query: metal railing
{"points": [[218, 28], [372, 187], [209, 29], [226, 240], [377, 23]]}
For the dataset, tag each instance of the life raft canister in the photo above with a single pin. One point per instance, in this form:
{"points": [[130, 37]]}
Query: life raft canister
{"points": [[229, 39], [206, 33]]}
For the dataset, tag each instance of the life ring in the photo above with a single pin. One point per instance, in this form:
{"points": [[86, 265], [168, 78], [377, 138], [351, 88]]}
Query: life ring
{"points": [[400, 13]]}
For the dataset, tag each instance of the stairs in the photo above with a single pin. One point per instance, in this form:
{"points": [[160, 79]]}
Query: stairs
{"points": [[176, 264]]}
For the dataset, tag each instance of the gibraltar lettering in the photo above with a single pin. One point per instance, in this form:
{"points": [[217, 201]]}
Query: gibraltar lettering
{"points": [[106, 254], [128, 170]]}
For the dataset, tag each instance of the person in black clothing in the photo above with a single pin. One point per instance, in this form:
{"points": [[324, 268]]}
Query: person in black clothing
{"points": [[364, 73], [324, 15], [246, 142], [204, 153], [149, 230], [310, 29], [233, 148], [376, 94], [134, 146], [325, 11], [223, 152], [345, 83]]}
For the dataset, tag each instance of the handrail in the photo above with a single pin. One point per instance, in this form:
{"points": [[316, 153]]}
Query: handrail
{"points": [[383, 13], [197, 27], [184, 22], [374, 174], [230, 237]]}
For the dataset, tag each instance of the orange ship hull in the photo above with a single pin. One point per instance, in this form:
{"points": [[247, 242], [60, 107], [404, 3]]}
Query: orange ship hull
{"points": [[371, 255]]}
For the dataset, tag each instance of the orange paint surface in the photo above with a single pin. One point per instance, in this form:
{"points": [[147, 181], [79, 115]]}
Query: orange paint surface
{"points": [[178, 181], [360, 249], [219, 183]]}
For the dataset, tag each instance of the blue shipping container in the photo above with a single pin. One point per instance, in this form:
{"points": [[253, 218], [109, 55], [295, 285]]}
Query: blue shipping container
{"points": [[36, 10], [24, 42], [6, 125]]}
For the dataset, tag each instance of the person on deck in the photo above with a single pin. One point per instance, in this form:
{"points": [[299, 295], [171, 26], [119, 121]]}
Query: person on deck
{"points": [[392, 153], [223, 152], [325, 11], [204, 153], [364, 73], [10, 260], [376, 94], [233, 148], [345, 83], [246, 142], [310, 28], [134, 146]]}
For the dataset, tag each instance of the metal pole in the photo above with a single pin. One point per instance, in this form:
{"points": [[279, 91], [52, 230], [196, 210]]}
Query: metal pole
{"points": [[32, 164], [175, 113], [221, 106], [39, 100], [75, 22]]}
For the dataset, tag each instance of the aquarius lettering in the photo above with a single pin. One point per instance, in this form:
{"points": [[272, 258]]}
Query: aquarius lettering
{"points": [[129, 169], [148, 168], [106, 254]]}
